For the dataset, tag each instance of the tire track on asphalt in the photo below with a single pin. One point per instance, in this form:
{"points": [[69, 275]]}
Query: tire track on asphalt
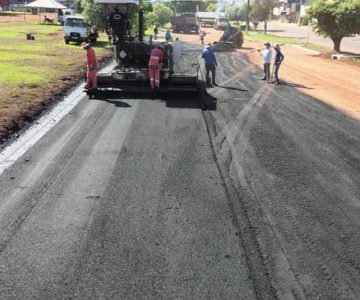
{"points": [[249, 111], [228, 155], [31, 181], [327, 266], [339, 289]]}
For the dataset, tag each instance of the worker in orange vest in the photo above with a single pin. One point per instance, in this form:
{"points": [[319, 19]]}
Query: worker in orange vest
{"points": [[91, 82], [156, 58]]}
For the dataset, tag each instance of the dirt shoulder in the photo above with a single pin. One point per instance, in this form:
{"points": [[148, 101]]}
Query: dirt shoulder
{"points": [[330, 81]]}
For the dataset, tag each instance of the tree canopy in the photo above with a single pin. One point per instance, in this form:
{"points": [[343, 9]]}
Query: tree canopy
{"points": [[163, 13], [336, 19], [236, 12], [211, 7], [262, 10], [93, 13]]}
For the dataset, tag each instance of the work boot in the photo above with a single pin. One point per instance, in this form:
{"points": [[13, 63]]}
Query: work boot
{"points": [[264, 78]]}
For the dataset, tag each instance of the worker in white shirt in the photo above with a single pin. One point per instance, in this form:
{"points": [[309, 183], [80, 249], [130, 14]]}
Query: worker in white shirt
{"points": [[267, 55]]}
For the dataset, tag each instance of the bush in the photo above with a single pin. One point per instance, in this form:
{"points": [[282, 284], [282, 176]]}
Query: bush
{"points": [[305, 20]]}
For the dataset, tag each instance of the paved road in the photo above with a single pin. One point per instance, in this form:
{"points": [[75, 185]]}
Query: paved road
{"points": [[256, 198], [294, 163], [350, 44], [121, 200]]}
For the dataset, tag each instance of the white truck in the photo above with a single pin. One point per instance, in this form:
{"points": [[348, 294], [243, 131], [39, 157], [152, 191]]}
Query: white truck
{"points": [[77, 30], [221, 23]]}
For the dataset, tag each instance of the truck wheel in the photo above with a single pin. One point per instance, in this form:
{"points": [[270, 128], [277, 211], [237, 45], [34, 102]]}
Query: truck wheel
{"points": [[94, 40], [66, 42]]}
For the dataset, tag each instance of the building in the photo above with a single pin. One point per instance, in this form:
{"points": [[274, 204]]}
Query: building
{"points": [[4, 4], [291, 10]]}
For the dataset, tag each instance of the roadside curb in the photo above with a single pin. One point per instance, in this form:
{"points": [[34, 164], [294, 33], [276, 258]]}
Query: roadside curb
{"points": [[313, 52]]}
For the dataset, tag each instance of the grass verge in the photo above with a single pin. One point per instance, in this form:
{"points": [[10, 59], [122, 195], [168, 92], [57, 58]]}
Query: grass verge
{"points": [[34, 72], [259, 36]]}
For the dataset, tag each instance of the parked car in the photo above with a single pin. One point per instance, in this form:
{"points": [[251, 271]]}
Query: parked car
{"points": [[77, 30]]}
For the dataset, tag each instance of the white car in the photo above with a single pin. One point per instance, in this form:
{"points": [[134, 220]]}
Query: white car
{"points": [[221, 23], [77, 30]]}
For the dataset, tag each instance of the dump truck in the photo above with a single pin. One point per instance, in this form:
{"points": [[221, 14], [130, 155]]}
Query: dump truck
{"points": [[185, 23], [132, 53]]}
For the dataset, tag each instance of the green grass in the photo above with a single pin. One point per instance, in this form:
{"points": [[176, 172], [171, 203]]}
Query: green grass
{"points": [[259, 36], [274, 39], [32, 71], [41, 60], [19, 30]]}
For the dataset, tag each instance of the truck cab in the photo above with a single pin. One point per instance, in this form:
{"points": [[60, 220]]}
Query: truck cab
{"points": [[221, 23], [77, 30]]}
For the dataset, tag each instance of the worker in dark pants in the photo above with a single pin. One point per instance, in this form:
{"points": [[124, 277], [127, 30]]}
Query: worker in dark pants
{"points": [[279, 57], [267, 55], [156, 31], [210, 63]]}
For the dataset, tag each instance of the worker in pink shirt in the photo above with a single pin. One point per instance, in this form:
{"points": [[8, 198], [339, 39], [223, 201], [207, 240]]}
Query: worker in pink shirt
{"points": [[91, 82], [156, 58]]}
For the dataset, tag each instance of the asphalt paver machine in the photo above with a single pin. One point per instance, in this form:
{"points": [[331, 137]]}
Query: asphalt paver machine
{"points": [[132, 53]]}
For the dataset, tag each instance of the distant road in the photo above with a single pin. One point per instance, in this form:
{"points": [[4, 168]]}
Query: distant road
{"points": [[350, 44]]}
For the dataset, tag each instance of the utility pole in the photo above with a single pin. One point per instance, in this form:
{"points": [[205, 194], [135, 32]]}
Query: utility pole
{"points": [[247, 15], [299, 20]]}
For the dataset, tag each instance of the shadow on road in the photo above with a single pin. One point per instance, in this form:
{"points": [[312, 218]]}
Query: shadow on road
{"points": [[295, 85], [275, 30], [231, 88], [185, 100]]}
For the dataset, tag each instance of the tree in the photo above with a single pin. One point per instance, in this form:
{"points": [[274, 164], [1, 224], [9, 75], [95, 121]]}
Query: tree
{"points": [[336, 19], [262, 10], [150, 19], [183, 6], [93, 13], [211, 7], [241, 12], [236, 13], [163, 13]]}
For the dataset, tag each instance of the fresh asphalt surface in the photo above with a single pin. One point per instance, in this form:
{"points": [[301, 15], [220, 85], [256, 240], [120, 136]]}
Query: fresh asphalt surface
{"points": [[154, 198]]}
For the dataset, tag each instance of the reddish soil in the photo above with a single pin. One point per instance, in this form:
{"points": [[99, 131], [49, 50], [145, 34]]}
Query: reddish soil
{"points": [[333, 82], [27, 18]]}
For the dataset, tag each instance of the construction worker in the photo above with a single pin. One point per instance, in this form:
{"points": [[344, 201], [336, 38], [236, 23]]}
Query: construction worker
{"points": [[279, 57], [118, 23], [167, 36], [201, 36], [267, 55], [156, 58], [91, 82], [156, 31], [210, 63]]}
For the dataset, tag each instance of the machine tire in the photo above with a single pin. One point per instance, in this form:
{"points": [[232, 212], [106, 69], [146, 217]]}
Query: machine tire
{"points": [[67, 42]]}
